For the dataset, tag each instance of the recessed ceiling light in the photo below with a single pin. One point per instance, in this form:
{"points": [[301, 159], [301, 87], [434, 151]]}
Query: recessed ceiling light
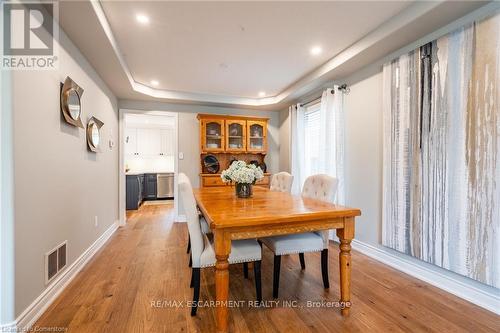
{"points": [[154, 82], [262, 94], [316, 50], [141, 18]]}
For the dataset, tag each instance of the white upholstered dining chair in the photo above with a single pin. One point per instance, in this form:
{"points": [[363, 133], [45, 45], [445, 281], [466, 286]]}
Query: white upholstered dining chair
{"points": [[281, 182], [205, 229], [320, 187], [202, 247]]}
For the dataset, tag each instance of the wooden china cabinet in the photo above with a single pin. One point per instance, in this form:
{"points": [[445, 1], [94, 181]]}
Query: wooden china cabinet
{"points": [[257, 136], [225, 138], [236, 141], [212, 136]]}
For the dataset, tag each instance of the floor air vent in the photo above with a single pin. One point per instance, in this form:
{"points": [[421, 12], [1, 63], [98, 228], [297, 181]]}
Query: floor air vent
{"points": [[55, 261]]}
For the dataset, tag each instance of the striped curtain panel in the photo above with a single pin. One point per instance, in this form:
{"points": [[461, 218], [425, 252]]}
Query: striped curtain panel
{"points": [[442, 152]]}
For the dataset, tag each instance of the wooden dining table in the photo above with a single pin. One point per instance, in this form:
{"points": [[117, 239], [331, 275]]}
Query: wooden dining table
{"points": [[269, 213]]}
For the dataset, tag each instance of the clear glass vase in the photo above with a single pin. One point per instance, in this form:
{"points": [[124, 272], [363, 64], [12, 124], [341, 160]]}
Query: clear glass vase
{"points": [[243, 190]]}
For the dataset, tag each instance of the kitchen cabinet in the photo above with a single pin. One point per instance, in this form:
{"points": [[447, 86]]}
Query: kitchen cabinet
{"points": [[134, 191], [140, 187], [149, 142], [150, 186], [167, 142], [131, 141]]}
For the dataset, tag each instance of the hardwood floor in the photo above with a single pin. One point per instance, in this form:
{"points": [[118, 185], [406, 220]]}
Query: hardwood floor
{"points": [[145, 263]]}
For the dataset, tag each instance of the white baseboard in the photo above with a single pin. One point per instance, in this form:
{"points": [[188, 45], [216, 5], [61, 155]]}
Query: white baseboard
{"points": [[450, 284], [10, 327], [180, 218], [30, 315]]}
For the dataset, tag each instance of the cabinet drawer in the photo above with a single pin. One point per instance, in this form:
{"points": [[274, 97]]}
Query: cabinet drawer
{"points": [[212, 181]]}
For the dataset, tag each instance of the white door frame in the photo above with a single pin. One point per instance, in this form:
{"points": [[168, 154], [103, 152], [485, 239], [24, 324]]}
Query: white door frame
{"points": [[121, 166]]}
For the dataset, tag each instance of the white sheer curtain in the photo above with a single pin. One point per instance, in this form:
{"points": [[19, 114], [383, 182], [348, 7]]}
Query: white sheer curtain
{"points": [[297, 143], [330, 142]]}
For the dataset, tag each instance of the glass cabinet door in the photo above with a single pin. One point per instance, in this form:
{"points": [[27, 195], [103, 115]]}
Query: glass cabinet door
{"points": [[235, 135], [213, 135], [257, 140]]}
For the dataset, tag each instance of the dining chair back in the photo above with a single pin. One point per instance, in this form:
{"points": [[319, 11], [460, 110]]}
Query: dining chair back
{"points": [[281, 182], [320, 187], [202, 247], [193, 219]]}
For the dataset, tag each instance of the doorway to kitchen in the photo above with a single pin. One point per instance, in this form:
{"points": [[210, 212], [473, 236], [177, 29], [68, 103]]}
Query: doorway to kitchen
{"points": [[148, 160]]}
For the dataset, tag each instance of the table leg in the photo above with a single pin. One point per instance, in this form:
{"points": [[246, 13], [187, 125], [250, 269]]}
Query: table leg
{"points": [[345, 235], [222, 250]]}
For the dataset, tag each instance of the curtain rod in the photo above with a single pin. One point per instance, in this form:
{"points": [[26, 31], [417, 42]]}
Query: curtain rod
{"points": [[311, 101], [344, 88]]}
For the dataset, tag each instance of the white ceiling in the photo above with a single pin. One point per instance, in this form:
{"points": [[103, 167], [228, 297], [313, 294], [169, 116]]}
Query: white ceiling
{"points": [[225, 53], [237, 48]]}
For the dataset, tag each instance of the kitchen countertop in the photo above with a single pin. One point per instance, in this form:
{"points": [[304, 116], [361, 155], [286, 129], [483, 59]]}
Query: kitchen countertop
{"points": [[136, 173]]}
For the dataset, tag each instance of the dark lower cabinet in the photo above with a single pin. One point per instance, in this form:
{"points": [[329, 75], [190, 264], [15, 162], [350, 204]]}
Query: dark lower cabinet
{"points": [[150, 186], [139, 188], [134, 187]]}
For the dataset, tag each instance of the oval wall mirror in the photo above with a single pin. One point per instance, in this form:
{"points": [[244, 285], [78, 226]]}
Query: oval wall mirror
{"points": [[74, 106], [94, 134], [71, 106]]}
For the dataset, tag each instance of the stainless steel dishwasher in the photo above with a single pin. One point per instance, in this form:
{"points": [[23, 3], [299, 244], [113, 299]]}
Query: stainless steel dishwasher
{"points": [[165, 185]]}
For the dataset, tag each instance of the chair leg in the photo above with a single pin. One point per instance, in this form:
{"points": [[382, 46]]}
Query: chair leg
{"points": [[191, 284], [302, 261], [245, 270], [258, 285], [324, 268], [189, 245], [196, 292], [276, 278], [190, 261]]}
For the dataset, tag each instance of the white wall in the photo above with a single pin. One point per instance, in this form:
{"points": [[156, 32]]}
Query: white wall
{"points": [[189, 137], [363, 160], [7, 277], [59, 185]]}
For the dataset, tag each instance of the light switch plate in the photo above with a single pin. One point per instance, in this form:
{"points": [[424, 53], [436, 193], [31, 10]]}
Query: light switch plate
{"points": [[181, 156]]}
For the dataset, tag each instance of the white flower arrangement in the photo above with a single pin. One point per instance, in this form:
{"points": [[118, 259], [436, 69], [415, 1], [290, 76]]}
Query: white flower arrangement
{"points": [[240, 172]]}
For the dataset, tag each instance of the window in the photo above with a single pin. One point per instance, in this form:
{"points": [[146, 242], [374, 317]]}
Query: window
{"points": [[311, 140]]}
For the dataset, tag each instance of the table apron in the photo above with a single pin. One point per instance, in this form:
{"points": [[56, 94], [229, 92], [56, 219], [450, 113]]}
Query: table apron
{"points": [[248, 232]]}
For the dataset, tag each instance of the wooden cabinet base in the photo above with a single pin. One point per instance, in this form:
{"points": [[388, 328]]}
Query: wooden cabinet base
{"points": [[214, 180]]}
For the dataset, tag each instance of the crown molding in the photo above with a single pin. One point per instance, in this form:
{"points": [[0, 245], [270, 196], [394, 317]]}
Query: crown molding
{"points": [[310, 82]]}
